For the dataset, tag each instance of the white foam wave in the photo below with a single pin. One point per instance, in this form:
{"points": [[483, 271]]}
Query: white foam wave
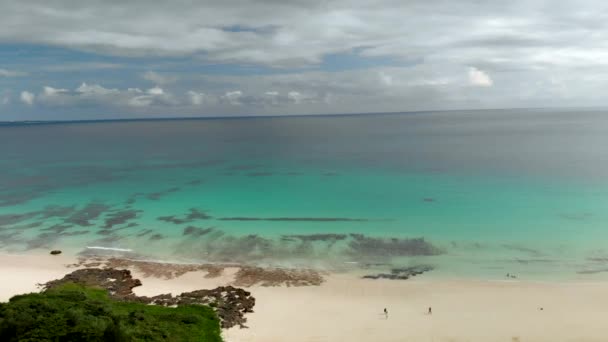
{"points": [[110, 249]]}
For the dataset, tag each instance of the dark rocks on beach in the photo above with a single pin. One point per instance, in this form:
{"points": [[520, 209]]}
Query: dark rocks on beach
{"points": [[230, 303], [55, 252], [119, 283], [401, 273], [149, 268], [249, 276]]}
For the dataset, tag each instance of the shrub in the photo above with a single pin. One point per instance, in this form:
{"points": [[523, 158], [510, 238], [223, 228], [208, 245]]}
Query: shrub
{"points": [[75, 313]]}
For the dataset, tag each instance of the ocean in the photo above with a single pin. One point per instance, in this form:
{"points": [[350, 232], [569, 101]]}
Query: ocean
{"points": [[471, 194]]}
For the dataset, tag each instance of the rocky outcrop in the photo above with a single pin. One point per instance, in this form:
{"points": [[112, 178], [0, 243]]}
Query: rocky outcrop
{"points": [[230, 303], [249, 276], [119, 283], [400, 273]]}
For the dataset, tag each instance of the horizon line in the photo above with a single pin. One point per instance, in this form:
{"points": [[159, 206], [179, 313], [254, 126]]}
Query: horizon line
{"points": [[263, 116]]}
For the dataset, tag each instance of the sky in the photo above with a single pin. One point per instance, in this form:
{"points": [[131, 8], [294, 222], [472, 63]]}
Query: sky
{"points": [[106, 59]]}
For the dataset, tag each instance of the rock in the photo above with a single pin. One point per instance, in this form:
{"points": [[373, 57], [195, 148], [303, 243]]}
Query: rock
{"points": [[55, 252], [118, 282], [401, 273], [250, 276], [230, 303]]}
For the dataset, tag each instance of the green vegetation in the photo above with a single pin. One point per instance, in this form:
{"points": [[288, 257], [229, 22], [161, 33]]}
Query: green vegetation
{"points": [[75, 313]]}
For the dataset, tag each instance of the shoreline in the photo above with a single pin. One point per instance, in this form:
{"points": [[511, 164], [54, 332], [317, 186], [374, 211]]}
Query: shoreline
{"points": [[346, 307], [438, 273]]}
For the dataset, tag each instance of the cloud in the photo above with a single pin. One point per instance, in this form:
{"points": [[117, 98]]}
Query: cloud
{"points": [[159, 79], [233, 97], [295, 96], [479, 78], [385, 79], [199, 98], [301, 57], [156, 91], [87, 95], [50, 91], [68, 67], [27, 98], [94, 90], [528, 33], [9, 73]]}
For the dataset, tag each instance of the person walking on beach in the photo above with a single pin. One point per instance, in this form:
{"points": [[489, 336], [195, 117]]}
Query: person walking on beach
{"points": [[386, 313], [430, 311]]}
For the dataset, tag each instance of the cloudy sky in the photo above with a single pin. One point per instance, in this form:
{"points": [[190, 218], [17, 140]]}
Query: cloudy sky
{"points": [[81, 59]]}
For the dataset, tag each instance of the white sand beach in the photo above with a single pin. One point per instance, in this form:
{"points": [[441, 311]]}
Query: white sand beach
{"points": [[347, 308]]}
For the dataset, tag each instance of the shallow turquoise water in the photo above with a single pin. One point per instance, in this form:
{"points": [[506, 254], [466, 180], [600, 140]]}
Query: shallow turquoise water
{"points": [[523, 192]]}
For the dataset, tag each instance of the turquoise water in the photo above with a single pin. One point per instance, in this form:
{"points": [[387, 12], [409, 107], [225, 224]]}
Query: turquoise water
{"points": [[473, 194]]}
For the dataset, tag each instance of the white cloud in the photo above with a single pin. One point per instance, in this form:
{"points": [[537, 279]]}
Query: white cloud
{"points": [[198, 98], [95, 89], [50, 91], [152, 96], [523, 32], [27, 98], [9, 73], [479, 78], [155, 91], [517, 48], [295, 96], [233, 97], [96, 95]]}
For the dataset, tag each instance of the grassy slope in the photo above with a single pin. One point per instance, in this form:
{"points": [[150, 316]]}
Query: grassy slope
{"points": [[74, 313]]}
